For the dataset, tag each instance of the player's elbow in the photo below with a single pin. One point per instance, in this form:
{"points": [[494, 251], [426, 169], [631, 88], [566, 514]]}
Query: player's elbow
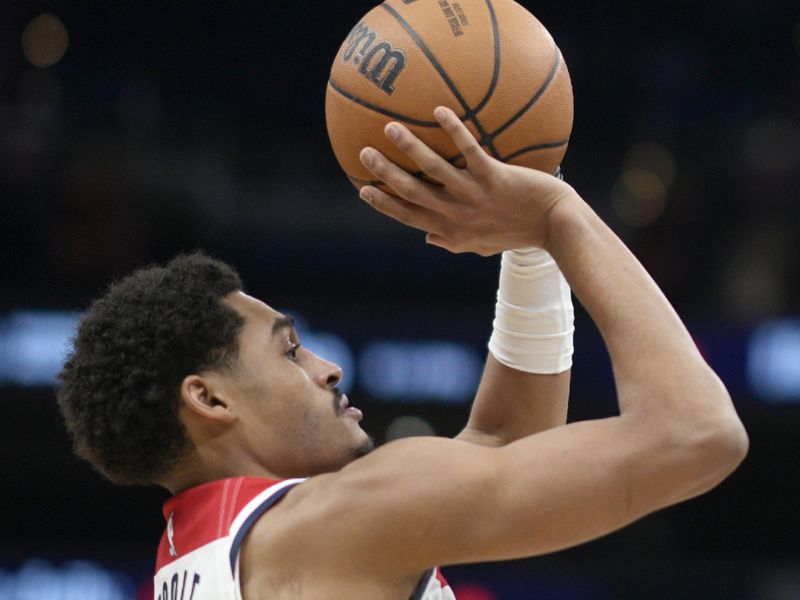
{"points": [[707, 425], [714, 449], [731, 443], [726, 431], [698, 437]]}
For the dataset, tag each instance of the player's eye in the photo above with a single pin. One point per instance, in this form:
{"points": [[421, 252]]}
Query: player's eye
{"points": [[292, 353]]}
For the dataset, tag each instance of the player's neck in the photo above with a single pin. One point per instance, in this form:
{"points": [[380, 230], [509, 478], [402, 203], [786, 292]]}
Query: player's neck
{"points": [[197, 472]]}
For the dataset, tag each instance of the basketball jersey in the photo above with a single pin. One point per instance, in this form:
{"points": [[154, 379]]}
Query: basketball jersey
{"points": [[198, 556]]}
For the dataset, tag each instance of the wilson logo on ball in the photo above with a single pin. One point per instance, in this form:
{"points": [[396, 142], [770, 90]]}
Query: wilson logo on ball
{"points": [[379, 62]]}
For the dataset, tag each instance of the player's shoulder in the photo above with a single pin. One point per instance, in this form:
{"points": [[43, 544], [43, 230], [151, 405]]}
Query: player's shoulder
{"points": [[322, 540], [374, 507], [394, 466]]}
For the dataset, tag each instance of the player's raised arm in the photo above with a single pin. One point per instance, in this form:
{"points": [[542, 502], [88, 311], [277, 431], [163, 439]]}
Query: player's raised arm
{"points": [[677, 434]]}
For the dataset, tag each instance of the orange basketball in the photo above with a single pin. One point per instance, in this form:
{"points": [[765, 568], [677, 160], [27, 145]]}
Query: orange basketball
{"points": [[491, 61]]}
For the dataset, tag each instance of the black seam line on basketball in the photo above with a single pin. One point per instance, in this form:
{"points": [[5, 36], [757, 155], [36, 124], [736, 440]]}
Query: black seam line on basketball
{"points": [[469, 114], [417, 174], [532, 101], [378, 109], [496, 72], [535, 148]]}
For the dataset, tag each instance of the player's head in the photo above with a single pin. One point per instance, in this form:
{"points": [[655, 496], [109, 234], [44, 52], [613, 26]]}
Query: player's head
{"points": [[289, 414], [175, 369]]}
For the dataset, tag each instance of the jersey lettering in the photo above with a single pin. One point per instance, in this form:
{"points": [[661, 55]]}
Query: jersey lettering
{"points": [[171, 592]]}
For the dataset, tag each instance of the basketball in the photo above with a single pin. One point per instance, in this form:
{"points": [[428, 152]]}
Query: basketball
{"points": [[491, 61]]}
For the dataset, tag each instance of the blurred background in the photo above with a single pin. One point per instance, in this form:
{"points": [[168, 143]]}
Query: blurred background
{"points": [[130, 131]]}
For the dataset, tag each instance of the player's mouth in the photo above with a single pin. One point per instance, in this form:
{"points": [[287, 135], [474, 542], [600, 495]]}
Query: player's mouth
{"points": [[343, 408]]}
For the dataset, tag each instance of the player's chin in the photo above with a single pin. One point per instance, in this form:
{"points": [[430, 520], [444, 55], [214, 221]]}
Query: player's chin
{"points": [[361, 445], [360, 442], [367, 446]]}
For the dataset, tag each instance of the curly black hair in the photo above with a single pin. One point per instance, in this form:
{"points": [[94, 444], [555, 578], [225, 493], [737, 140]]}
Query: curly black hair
{"points": [[120, 384]]}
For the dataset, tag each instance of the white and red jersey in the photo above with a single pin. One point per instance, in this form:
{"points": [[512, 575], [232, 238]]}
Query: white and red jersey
{"points": [[198, 557]]}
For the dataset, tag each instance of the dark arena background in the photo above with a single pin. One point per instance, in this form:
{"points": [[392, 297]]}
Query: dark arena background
{"points": [[131, 131]]}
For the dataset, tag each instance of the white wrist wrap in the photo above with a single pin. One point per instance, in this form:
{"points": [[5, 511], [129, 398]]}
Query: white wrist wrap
{"points": [[534, 317]]}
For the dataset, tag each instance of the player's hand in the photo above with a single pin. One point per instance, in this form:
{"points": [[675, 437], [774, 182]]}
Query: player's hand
{"points": [[485, 208]]}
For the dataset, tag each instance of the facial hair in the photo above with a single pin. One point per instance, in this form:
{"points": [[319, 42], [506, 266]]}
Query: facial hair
{"points": [[365, 448], [337, 402], [369, 444]]}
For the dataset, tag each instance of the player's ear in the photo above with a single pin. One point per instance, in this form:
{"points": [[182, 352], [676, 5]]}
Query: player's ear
{"points": [[201, 397]]}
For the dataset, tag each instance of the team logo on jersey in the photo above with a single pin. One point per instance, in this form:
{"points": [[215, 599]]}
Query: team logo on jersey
{"points": [[170, 535]]}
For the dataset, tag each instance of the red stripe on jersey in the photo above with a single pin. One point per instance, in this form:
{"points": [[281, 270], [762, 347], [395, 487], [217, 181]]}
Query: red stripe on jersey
{"points": [[204, 513], [441, 578]]}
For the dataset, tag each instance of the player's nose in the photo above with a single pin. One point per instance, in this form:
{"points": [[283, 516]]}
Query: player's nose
{"points": [[328, 374]]}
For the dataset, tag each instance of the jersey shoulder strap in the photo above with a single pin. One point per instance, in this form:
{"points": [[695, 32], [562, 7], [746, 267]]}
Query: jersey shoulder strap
{"points": [[248, 516], [433, 586]]}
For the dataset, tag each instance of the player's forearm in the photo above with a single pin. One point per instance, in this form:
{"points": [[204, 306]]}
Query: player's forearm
{"points": [[657, 367], [511, 404]]}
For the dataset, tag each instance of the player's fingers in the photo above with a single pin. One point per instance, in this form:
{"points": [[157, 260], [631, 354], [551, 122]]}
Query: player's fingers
{"points": [[407, 186], [435, 239], [477, 160], [433, 165], [440, 241], [399, 209]]}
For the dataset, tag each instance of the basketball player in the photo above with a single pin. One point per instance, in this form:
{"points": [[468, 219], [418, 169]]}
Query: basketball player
{"points": [[178, 378]]}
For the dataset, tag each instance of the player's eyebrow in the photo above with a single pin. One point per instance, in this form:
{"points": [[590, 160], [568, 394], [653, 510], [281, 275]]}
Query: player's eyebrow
{"points": [[281, 323]]}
